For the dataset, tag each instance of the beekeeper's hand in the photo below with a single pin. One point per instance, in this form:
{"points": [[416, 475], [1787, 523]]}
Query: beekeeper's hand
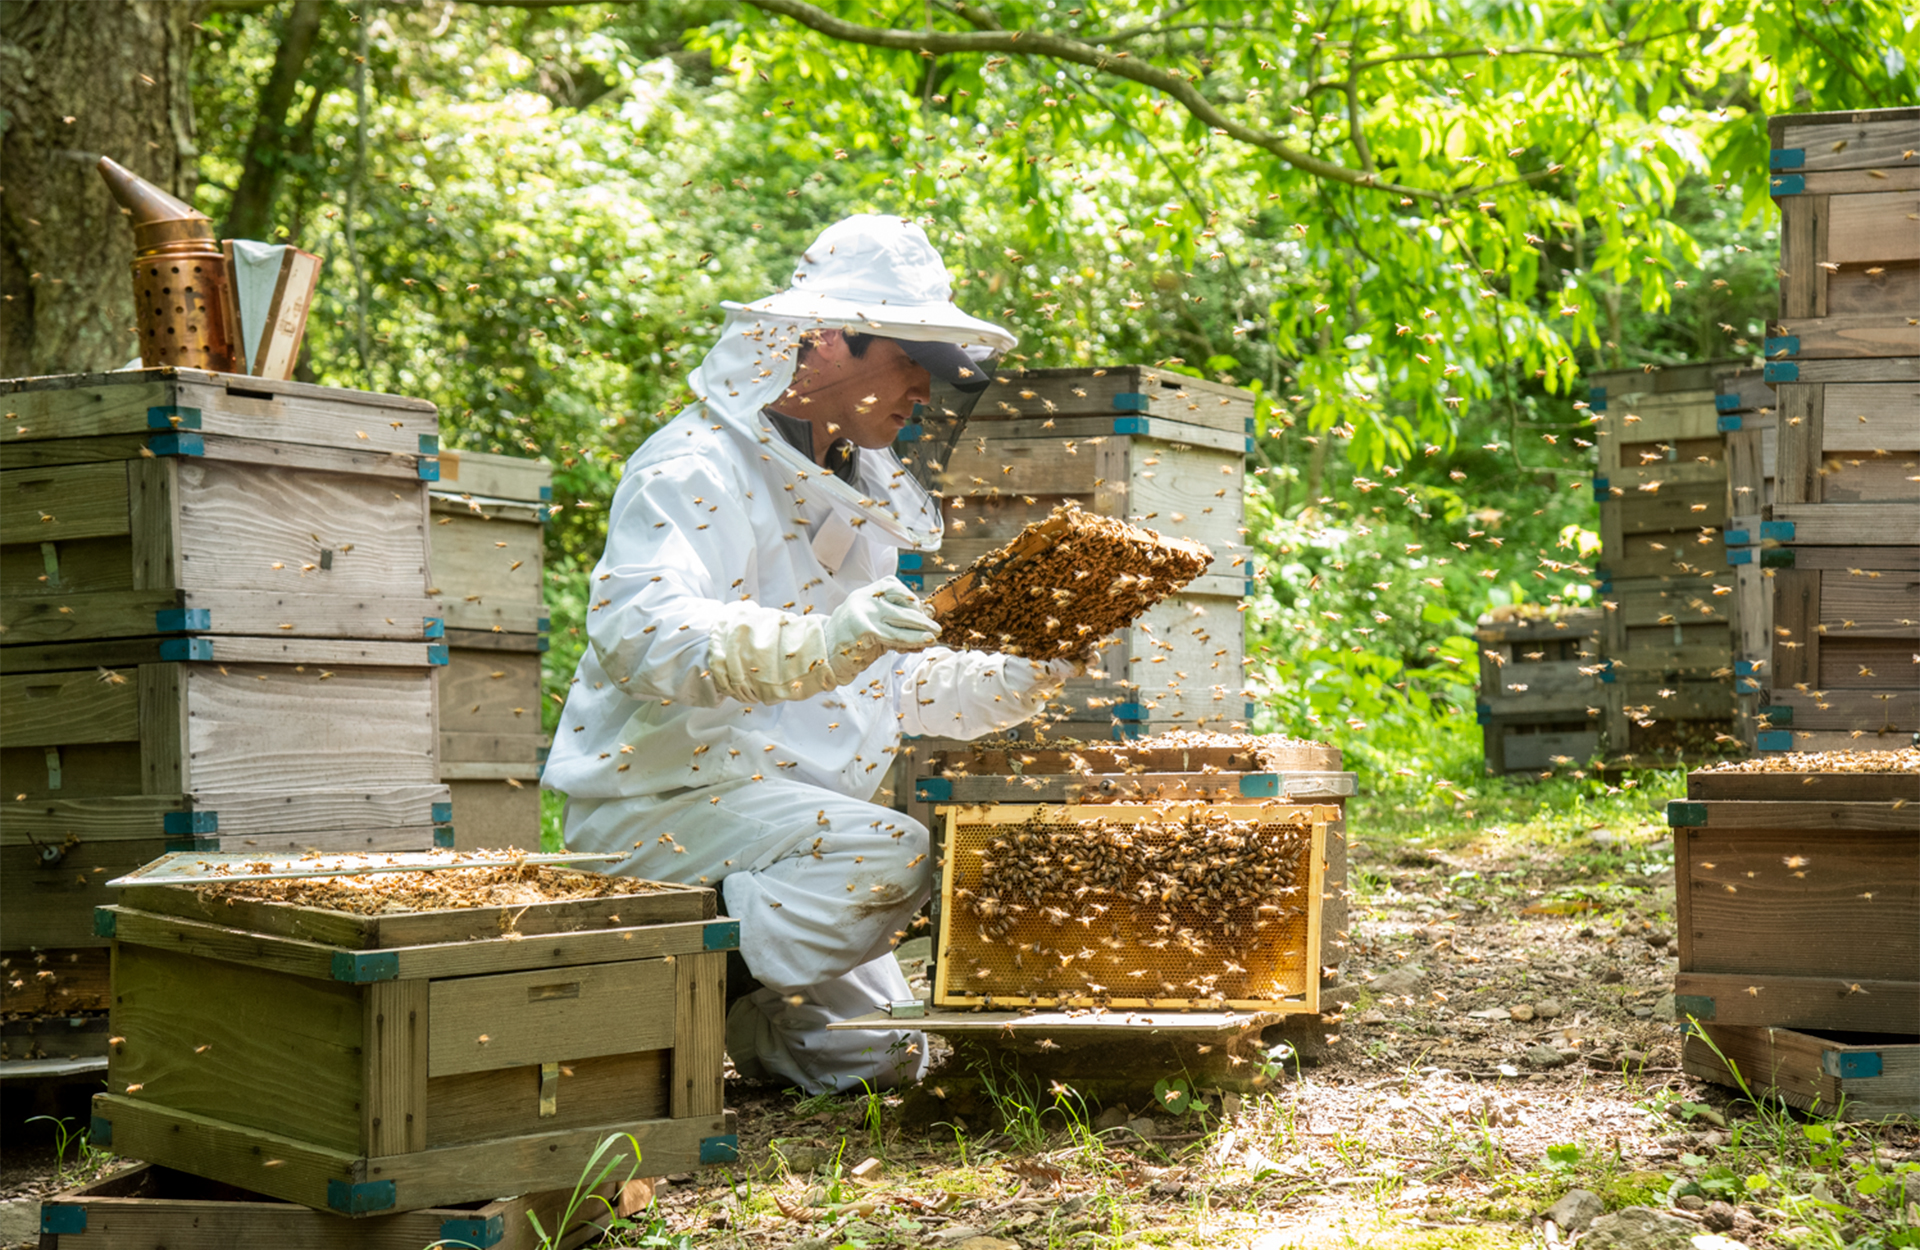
{"points": [[874, 620], [762, 655]]}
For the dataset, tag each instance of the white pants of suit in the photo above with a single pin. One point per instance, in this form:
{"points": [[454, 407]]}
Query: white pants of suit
{"points": [[820, 883]]}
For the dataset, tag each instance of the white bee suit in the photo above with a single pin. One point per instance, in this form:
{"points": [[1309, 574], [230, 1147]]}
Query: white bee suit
{"points": [[720, 524]]}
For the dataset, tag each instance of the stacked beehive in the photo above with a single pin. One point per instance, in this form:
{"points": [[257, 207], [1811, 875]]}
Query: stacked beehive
{"points": [[217, 636], [489, 515], [1664, 578], [1746, 406], [1797, 904], [1159, 449], [1842, 534], [1540, 693]]}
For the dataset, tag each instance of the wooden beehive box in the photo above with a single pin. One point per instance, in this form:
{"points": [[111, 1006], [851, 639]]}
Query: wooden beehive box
{"points": [[489, 518], [1133, 905], [1746, 405], [1540, 694], [1856, 1076], [369, 1064], [171, 501], [116, 752], [1797, 893], [1848, 189], [1161, 450], [144, 1206]]}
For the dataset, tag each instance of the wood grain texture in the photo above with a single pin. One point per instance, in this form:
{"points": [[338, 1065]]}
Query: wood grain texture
{"points": [[1888, 333], [146, 1206], [1806, 1002], [1803, 240], [539, 1160], [1792, 1066], [273, 727], [1870, 416], [504, 1103], [1783, 786], [254, 1159], [1894, 710], [42, 616], [1857, 477], [699, 1034], [494, 476], [557, 951], [489, 692], [57, 709], [51, 905], [1852, 524], [56, 981], [529, 1018], [244, 1045], [248, 527], [218, 942], [1756, 895], [490, 814], [153, 496], [519, 754], [62, 503], [165, 728], [487, 571], [1815, 816], [395, 1057], [1873, 227], [1863, 139]]}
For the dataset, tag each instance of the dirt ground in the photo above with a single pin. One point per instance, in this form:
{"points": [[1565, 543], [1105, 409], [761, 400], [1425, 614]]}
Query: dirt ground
{"points": [[1508, 1038]]}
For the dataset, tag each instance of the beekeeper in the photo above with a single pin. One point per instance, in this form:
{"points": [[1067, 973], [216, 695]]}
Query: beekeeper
{"points": [[752, 661]]}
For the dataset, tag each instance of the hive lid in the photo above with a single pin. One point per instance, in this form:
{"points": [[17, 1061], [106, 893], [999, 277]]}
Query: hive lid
{"points": [[196, 868]]}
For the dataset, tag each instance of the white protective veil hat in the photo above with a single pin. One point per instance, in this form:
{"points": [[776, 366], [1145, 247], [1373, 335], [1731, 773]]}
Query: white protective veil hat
{"points": [[868, 273], [881, 275]]}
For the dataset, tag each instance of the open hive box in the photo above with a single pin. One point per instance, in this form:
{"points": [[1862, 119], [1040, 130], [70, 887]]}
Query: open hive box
{"points": [[381, 1033], [1062, 585], [1188, 905]]}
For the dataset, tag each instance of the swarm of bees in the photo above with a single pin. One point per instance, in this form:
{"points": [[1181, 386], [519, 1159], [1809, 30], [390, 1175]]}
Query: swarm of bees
{"points": [[1062, 585], [1200, 907], [447, 889], [1903, 760]]}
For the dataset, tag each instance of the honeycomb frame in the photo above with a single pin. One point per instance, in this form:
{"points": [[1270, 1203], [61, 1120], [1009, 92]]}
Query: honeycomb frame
{"points": [[1291, 958]]}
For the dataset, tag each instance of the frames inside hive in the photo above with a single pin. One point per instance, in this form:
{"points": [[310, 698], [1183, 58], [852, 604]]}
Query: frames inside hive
{"points": [[1062, 585]]}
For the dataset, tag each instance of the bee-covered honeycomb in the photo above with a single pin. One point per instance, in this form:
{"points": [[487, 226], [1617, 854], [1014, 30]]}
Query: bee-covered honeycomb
{"points": [[1899, 760], [1062, 585], [1202, 906]]}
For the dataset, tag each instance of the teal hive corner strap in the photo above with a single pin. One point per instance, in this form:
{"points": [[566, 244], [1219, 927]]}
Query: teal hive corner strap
{"points": [[1774, 740], [172, 417], [1132, 401], [443, 837], [1130, 425], [177, 443], [186, 648], [105, 922], [189, 824], [63, 1217], [724, 1148], [1852, 1064], [182, 620], [1699, 1006], [442, 813], [1684, 815], [933, 790], [479, 1232], [1786, 158], [1787, 184], [429, 444], [1727, 403], [1597, 398], [1782, 371], [1260, 785], [1782, 345], [437, 654], [361, 1198], [720, 935], [433, 627], [361, 967], [100, 1132], [429, 470]]}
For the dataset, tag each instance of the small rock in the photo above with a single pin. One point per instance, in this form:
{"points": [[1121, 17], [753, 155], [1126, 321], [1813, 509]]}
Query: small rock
{"points": [[1395, 982], [1548, 1009], [1714, 1140], [20, 1222], [1545, 1057], [1111, 1118], [1663, 1009], [1521, 1011], [802, 1160], [1371, 1017], [1612, 976], [1690, 1202], [1659, 937], [1576, 1209], [1714, 1241], [1633, 1058], [954, 1234], [1719, 1217], [1640, 1228], [1143, 1128], [978, 1243]]}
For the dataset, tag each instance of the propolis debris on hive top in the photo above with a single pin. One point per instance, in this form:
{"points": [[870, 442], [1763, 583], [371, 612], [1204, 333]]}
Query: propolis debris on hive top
{"points": [[1899, 760], [448, 889], [1176, 750], [1063, 584]]}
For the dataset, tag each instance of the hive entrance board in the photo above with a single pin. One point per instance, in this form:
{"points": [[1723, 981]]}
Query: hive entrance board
{"points": [[1063, 584], [191, 868], [1204, 906]]}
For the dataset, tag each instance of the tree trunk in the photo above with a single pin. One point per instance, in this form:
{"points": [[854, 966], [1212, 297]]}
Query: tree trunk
{"points": [[78, 82], [250, 216]]}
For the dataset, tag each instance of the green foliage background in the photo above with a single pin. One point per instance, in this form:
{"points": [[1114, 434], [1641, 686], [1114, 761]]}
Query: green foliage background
{"points": [[548, 204]]}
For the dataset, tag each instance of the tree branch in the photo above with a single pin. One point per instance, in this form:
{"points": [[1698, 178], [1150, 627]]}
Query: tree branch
{"points": [[266, 151], [1075, 52]]}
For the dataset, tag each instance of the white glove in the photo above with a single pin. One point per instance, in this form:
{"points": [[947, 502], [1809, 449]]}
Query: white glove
{"points": [[763, 655], [964, 694], [874, 620]]}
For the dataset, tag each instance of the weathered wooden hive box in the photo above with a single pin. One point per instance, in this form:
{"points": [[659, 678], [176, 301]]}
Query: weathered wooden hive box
{"points": [[216, 633], [1798, 892], [1840, 538], [371, 1063], [489, 529], [144, 1206], [1540, 695], [1159, 449], [1664, 577]]}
